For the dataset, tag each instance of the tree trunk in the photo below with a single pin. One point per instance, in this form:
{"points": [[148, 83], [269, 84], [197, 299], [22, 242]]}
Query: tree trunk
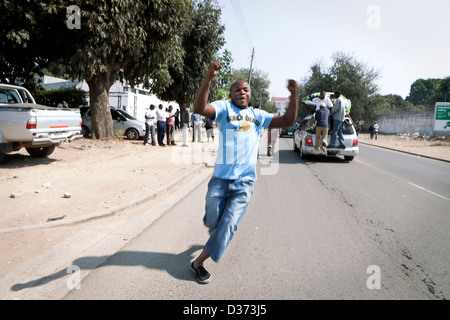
{"points": [[102, 125], [181, 101]]}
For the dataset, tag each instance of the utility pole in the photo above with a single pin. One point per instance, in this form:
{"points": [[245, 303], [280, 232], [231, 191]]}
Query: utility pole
{"points": [[251, 63]]}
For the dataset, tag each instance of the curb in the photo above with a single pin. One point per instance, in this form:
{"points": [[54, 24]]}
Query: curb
{"points": [[107, 212], [407, 152], [47, 276]]}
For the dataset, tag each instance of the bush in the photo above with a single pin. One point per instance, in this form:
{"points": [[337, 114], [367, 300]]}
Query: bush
{"points": [[49, 97]]}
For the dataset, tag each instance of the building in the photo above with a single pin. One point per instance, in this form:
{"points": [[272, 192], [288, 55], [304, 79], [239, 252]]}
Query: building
{"points": [[281, 104], [132, 100]]}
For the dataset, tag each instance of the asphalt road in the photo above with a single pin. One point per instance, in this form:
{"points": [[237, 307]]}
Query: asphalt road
{"points": [[374, 228]]}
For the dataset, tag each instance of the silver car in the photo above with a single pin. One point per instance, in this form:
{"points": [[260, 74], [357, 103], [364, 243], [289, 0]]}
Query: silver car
{"points": [[305, 139], [123, 123]]}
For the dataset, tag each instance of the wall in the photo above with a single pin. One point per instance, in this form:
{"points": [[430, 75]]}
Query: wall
{"points": [[421, 122]]}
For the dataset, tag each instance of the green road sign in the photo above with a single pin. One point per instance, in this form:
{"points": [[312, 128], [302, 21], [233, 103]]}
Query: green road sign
{"points": [[442, 116]]}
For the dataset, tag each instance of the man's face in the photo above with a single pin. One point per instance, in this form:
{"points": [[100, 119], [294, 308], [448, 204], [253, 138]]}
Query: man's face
{"points": [[240, 94], [322, 95]]}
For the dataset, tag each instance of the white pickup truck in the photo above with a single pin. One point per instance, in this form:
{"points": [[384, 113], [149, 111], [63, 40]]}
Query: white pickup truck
{"points": [[37, 128]]}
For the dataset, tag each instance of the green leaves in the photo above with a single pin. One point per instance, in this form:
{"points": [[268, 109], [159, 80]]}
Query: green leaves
{"points": [[200, 41], [353, 78], [163, 44], [429, 91]]}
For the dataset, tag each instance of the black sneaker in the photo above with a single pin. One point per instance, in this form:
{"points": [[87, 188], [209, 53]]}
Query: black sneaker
{"points": [[201, 274]]}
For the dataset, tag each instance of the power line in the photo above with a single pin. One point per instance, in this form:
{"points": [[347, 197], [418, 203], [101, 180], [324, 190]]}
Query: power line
{"points": [[242, 24]]}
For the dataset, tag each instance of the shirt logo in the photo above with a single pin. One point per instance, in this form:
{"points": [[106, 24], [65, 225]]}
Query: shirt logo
{"points": [[244, 126]]}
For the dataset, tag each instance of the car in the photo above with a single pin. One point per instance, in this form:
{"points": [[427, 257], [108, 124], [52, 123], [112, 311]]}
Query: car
{"points": [[288, 131], [305, 138], [123, 123]]}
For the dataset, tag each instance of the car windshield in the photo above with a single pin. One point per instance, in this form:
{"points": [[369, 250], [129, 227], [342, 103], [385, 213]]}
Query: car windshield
{"points": [[84, 110], [126, 115]]}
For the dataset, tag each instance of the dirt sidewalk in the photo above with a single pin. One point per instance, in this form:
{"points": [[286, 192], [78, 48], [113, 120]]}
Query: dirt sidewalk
{"points": [[436, 147], [82, 180]]}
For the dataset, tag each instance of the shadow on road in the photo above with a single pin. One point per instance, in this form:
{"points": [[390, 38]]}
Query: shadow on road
{"points": [[177, 265], [291, 157]]}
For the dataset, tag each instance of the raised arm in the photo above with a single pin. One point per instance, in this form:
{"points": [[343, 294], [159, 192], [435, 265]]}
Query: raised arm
{"points": [[288, 118], [201, 105]]}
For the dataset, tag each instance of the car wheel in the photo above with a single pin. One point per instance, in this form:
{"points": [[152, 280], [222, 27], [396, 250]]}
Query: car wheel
{"points": [[2, 156], [302, 154], [41, 152], [132, 134], [85, 131], [295, 146], [348, 158]]}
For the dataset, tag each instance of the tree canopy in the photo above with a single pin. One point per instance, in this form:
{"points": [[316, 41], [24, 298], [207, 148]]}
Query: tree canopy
{"points": [[137, 40], [429, 91], [353, 78], [201, 43]]}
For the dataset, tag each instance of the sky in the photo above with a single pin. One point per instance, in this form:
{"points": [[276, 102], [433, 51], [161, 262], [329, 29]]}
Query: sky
{"points": [[404, 40]]}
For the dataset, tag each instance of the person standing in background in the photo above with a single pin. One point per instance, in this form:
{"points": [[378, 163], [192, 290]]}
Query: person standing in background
{"points": [[196, 123], [150, 118], [170, 127], [161, 117], [209, 127], [184, 120]]}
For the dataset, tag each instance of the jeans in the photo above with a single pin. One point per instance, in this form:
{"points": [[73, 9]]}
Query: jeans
{"points": [[226, 203], [161, 125], [338, 127], [149, 128]]}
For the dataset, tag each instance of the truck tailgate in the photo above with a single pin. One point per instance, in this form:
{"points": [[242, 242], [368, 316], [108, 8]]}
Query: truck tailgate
{"points": [[57, 120], [46, 122]]}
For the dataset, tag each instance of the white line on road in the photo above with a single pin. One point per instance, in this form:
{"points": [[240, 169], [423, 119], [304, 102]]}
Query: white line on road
{"points": [[410, 183], [422, 188]]}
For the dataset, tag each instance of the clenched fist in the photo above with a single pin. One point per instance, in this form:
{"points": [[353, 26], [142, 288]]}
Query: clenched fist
{"points": [[293, 86], [214, 68]]}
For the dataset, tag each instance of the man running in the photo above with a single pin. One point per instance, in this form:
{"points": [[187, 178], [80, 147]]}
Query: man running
{"points": [[231, 186]]}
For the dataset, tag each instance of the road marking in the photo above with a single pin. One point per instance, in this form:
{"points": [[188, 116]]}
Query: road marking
{"points": [[422, 188], [410, 183]]}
